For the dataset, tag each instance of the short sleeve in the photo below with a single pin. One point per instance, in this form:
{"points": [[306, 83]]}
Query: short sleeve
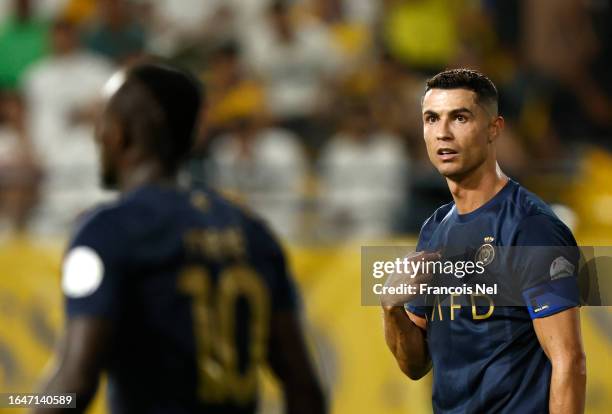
{"points": [[285, 296], [266, 248], [545, 264], [416, 308], [92, 267]]}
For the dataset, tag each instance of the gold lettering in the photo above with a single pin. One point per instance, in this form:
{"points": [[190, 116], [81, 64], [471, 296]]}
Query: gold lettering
{"points": [[433, 311], [475, 314], [453, 306], [214, 244]]}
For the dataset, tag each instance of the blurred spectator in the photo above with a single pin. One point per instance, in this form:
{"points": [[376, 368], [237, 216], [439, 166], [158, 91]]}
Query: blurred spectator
{"points": [[190, 26], [350, 27], [62, 91], [559, 39], [263, 167], [22, 42], [180, 25], [394, 94], [550, 93], [80, 12], [231, 93], [42, 9], [19, 172], [364, 12], [365, 176], [422, 33], [396, 102], [294, 62], [116, 34]]}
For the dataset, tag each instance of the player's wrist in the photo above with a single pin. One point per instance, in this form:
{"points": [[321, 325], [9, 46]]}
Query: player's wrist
{"points": [[393, 310]]}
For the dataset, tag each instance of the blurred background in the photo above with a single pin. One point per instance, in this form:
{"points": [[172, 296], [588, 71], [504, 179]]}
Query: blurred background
{"points": [[314, 122]]}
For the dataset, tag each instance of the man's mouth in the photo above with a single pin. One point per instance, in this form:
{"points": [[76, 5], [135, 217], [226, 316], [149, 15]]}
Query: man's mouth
{"points": [[447, 154]]}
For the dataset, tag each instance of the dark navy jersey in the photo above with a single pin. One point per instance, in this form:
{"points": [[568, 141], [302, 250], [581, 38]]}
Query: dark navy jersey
{"points": [[486, 356], [190, 283]]}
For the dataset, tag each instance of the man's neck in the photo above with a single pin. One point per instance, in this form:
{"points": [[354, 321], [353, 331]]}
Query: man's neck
{"points": [[475, 190], [144, 174]]}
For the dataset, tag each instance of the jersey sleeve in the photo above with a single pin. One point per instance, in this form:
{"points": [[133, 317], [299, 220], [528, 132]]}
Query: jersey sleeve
{"points": [[545, 263], [286, 295], [92, 269], [284, 292]]}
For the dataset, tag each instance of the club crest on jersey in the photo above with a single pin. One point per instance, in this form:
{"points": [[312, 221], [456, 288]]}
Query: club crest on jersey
{"points": [[485, 253], [561, 267]]}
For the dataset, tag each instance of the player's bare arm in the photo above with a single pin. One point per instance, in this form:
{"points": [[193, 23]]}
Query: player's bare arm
{"points": [[288, 355], [560, 338], [404, 331], [407, 342], [81, 360]]}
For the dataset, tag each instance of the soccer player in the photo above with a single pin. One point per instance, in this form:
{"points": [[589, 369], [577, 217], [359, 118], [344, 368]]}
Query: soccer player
{"points": [[179, 296], [500, 359]]}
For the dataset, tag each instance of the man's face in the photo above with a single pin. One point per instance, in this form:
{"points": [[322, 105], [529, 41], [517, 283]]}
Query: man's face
{"points": [[456, 129], [105, 131]]}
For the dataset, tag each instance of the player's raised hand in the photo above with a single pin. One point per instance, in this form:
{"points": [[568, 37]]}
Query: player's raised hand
{"points": [[403, 286]]}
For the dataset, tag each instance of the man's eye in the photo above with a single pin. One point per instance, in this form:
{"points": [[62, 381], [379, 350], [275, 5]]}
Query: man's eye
{"points": [[430, 119], [461, 118]]}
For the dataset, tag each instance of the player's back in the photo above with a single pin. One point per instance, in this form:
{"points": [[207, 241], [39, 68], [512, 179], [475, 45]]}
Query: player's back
{"points": [[190, 283]]}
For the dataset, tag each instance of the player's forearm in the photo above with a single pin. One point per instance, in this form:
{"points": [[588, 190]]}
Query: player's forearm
{"points": [[407, 343], [568, 385], [65, 381]]}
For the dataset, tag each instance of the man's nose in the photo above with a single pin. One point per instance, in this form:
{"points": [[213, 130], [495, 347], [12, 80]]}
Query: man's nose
{"points": [[443, 132]]}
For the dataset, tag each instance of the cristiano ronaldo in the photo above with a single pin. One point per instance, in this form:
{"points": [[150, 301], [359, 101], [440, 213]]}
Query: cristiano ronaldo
{"points": [[505, 359]]}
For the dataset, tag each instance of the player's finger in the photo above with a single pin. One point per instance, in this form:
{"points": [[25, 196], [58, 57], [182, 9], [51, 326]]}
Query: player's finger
{"points": [[431, 256], [424, 255]]}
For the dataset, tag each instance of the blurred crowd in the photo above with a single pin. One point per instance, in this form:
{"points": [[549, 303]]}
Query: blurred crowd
{"points": [[313, 116]]}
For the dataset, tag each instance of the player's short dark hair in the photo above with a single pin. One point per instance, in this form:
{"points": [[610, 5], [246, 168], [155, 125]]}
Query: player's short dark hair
{"points": [[469, 79], [159, 107]]}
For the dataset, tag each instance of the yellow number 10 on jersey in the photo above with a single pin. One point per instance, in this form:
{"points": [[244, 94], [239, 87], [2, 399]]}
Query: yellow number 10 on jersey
{"points": [[214, 318]]}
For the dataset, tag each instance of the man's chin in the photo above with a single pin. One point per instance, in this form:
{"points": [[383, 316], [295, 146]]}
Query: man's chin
{"points": [[450, 172]]}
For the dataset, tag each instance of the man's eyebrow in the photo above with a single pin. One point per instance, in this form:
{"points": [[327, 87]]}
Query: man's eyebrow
{"points": [[460, 110], [454, 112]]}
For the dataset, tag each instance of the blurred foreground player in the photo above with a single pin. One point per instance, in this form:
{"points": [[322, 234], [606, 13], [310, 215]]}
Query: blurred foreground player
{"points": [[490, 358], [178, 295]]}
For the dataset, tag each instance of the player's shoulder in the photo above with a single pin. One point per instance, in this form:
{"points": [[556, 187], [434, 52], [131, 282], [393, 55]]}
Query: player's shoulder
{"points": [[118, 218], [104, 221], [528, 207], [257, 231], [535, 221], [262, 240]]}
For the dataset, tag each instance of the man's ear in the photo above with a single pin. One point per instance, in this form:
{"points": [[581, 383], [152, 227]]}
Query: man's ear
{"points": [[115, 138], [495, 128]]}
